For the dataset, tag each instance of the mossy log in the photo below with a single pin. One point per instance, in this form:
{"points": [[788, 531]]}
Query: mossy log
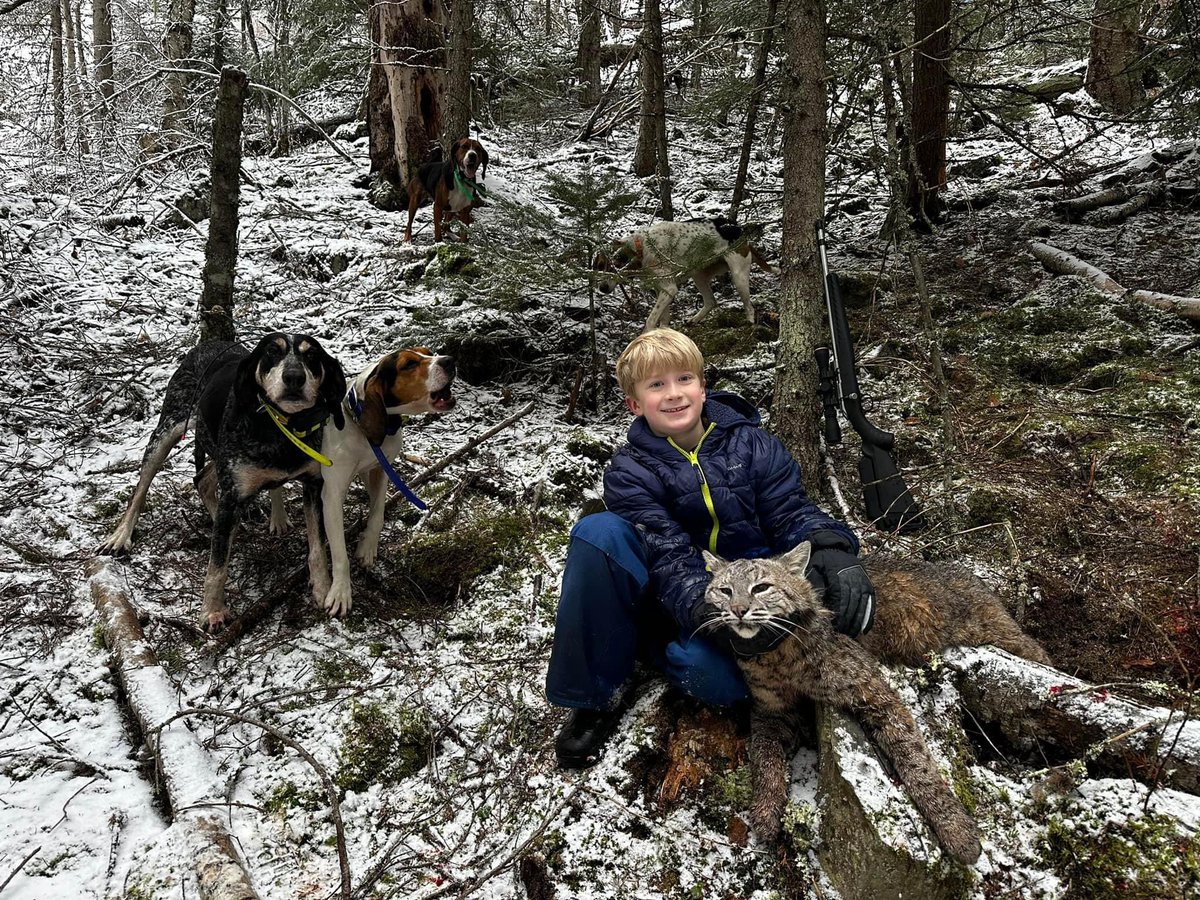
{"points": [[187, 774], [1062, 263], [1032, 704]]}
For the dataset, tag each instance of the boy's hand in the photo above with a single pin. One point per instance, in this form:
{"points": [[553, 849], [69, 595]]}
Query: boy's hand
{"points": [[848, 590]]}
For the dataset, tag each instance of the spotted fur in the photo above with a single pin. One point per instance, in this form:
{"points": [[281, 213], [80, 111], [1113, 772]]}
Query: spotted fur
{"points": [[922, 607], [699, 249]]}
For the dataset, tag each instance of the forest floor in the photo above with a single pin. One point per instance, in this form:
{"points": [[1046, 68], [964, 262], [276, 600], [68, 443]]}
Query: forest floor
{"points": [[1064, 470]]}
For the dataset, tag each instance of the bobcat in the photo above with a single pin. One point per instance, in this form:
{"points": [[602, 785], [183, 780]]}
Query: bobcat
{"points": [[921, 607]]}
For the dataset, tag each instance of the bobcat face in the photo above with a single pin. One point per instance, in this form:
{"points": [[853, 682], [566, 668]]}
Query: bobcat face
{"points": [[748, 595]]}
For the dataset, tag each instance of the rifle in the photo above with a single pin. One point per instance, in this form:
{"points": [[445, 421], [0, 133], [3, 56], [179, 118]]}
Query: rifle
{"points": [[888, 500]]}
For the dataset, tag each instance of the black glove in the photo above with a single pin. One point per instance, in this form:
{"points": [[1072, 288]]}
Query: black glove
{"points": [[848, 590]]}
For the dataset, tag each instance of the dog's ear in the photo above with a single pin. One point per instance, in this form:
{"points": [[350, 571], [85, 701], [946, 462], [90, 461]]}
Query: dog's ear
{"points": [[245, 382], [484, 156], [373, 420], [333, 386]]}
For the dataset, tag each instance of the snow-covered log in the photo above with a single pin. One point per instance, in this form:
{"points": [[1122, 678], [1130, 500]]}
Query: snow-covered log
{"points": [[1062, 263], [188, 776], [1029, 702]]}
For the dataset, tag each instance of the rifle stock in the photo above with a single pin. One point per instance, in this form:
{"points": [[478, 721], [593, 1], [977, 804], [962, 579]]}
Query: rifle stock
{"points": [[888, 500]]}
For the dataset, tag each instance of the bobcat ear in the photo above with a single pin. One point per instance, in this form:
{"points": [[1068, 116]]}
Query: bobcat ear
{"points": [[714, 563], [797, 558]]}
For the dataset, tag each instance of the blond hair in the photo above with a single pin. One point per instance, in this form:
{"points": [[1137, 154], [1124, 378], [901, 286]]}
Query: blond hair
{"points": [[657, 351]]}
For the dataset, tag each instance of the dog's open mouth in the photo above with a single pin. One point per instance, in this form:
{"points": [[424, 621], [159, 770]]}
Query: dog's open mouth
{"points": [[442, 400], [470, 169]]}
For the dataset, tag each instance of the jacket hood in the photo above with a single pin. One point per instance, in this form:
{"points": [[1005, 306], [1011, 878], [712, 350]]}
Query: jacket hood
{"points": [[723, 408]]}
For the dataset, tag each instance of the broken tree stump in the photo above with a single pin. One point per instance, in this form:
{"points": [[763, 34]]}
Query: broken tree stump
{"points": [[874, 843], [185, 769]]}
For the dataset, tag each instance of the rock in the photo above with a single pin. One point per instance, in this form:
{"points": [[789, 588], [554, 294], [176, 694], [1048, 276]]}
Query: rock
{"points": [[858, 287]]}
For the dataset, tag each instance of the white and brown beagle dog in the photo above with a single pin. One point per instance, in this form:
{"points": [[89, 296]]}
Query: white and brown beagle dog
{"points": [[404, 382]]}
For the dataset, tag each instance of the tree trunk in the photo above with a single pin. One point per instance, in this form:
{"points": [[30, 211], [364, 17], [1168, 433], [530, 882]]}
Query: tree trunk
{"points": [[801, 313], [176, 45], [699, 25], [645, 157], [760, 77], [283, 53], [930, 106], [220, 33], [458, 78], [407, 87], [587, 60], [1113, 76], [102, 49], [220, 253], [57, 82], [74, 62]]}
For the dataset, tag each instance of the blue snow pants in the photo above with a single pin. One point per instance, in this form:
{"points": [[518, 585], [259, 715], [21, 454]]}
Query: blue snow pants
{"points": [[607, 620]]}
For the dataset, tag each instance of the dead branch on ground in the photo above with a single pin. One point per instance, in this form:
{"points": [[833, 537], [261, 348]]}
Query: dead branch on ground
{"points": [[1062, 263]]}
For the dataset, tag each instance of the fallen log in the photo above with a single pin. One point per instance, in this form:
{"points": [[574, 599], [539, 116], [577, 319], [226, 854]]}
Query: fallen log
{"points": [[1135, 204], [1062, 263], [1076, 206], [1031, 703], [185, 769]]}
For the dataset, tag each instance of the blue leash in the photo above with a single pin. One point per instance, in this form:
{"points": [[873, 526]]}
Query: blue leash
{"points": [[356, 407]]}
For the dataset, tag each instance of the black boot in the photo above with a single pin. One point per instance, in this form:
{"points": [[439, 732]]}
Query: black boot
{"points": [[583, 735]]}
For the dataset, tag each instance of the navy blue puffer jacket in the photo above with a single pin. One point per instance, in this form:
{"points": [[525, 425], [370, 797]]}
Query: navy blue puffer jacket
{"points": [[759, 507]]}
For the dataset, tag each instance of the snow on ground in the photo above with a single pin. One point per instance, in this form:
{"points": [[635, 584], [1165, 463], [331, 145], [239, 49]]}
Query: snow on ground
{"points": [[453, 695]]}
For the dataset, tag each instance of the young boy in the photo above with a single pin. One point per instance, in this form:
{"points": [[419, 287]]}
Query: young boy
{"points": [[697, 472]]}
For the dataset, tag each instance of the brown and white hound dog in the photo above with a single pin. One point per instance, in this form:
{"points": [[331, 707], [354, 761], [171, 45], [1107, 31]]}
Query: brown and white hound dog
{"points": [[404, 382], [451, 184], [251, 410], [700, 249]]}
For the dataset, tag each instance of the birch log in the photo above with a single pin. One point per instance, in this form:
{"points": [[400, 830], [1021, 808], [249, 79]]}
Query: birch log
{"points": [[1062, 263], [188, 776], [1029, 703]]}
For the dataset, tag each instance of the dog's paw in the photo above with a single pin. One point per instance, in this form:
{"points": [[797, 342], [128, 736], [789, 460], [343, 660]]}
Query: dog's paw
{"points": [[279, 523], [118, 544], [367, 551], [339, 599], [215, 620]]}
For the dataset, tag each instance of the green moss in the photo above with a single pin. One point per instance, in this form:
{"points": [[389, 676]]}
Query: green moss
{"points": [[452, 259], [441, 565], [334, 668], [581, 444], [287, 795], [382, 746], [1141, 859], [734, 789], [727, 334], [800, 826]]}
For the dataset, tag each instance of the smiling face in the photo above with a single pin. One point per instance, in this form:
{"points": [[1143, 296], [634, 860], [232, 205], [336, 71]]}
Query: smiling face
{"points": [[672, 402]]}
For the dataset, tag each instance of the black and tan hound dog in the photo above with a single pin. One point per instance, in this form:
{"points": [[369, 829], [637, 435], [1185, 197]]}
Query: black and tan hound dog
{"points": [[451, 184], [258, 415]]}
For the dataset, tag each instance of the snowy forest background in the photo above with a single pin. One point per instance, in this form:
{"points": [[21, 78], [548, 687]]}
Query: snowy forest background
{"points": [[980, 157]]}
